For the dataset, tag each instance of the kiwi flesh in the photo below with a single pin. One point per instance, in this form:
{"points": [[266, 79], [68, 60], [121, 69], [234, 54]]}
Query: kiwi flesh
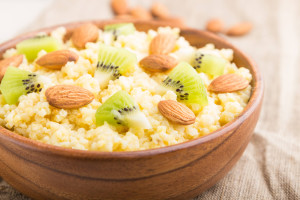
{"points": [[31, 47], [113, 62], [120, 29], [17, 82], [187, 84], [121, 110], [209, 64]]}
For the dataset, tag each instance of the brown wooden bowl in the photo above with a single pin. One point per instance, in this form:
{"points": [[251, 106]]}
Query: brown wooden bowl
{"points": [[180, 171]]}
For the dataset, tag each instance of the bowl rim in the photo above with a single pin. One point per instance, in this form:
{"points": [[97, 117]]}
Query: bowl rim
{"points": [[254, 101]]}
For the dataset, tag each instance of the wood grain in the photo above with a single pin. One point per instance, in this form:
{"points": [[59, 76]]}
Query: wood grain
{"points": [[180, 171]]}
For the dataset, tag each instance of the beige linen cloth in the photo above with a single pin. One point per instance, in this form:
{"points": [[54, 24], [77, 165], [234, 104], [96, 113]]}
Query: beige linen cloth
{"points": [[270, 166]]}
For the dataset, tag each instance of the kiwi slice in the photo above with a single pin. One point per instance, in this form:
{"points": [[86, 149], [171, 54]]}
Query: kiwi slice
{"points": [[209, 64], [120, 29], [17, 82], [31, 47], [121, 110], [186, 82], [113, 62]]}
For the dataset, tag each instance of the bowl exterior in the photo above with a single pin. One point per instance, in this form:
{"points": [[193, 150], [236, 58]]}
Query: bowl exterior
{"points": [[178, 172]]}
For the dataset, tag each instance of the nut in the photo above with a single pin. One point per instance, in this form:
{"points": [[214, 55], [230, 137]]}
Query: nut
{"points": [[240, 29], [176, 112], [228, 83], [140, 13], [214, 25], [12, 61], [162, 44], [158, 63], [57, 59], [119, 7], [84, 34], [159, 10], [68, 96], [173, 21]]}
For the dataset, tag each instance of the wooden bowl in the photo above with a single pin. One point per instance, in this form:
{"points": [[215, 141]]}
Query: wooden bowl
{"points": [[180, 171]]}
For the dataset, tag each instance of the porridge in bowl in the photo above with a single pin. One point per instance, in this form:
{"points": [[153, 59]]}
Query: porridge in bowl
{"points": [[119, 89]]}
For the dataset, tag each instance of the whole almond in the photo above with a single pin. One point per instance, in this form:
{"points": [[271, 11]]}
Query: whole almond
{"points": [[84, 34], [159, 10], [119, 7], [215, 25], [158, 63], [125, 17], [57, 59], [14, 61], [228, 83], [173, 21], [162, 44], [240, 29], [176, 112], [140, 13], [68, 96], [67, 36]]}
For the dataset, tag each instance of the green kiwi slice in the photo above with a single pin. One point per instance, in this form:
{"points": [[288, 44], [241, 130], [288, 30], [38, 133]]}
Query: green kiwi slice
{"points": [[120, 29], [17, 82], [31, 47], [113, 62], [121, 110], [209, 64], [187, 84]]}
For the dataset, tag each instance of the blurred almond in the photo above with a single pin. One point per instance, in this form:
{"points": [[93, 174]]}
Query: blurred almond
{"points": [[176, 112], [119, 7], [67, 36], [159, 10], [228, 83], [215, 25], [140, 13], [68, 96], [57, 59], [14, 61], [125, 17], [84, 34], [158, 63], [162, 44], [240, 29]]}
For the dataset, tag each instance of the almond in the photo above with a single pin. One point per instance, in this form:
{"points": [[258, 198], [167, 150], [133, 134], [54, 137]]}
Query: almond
{"points": [[119, 7], [125, 17], [215, 25], [228, 83], [176, 112], [240, 29], [140, 13], [159, 10], [57, 59], [162, 44], [67, 36], [158, 63], [14, 61], [173, 21], [84, 34], [68, 96]]}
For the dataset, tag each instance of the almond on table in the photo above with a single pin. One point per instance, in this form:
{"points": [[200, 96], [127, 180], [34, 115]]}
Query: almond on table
{"points": [[240, 29], [215, 25]]}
